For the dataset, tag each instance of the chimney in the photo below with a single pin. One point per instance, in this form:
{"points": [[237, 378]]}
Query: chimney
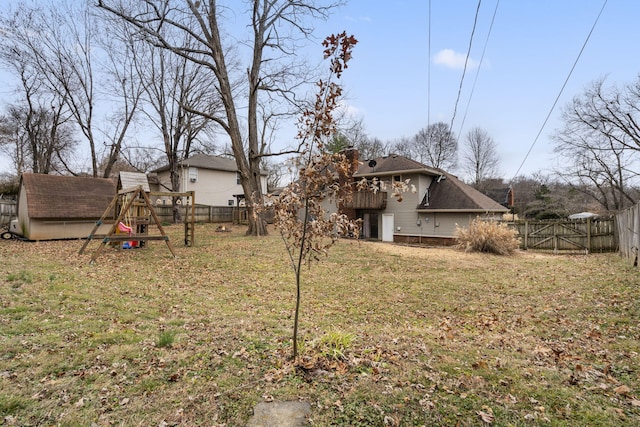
{"points": [[351, 154]]}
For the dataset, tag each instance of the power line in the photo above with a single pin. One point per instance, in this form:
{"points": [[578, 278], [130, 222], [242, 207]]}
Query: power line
{"points": [[466, 61], [561, 91], [475, 80], [429, 70]]}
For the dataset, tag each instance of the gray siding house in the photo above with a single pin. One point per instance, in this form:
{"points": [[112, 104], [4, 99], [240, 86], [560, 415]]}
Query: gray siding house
{"points": [[429, 215]]}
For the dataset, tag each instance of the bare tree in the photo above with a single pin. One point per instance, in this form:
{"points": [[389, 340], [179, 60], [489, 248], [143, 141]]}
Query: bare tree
{"points": [[480, 158], [35, 132], [371, 148], [174, 88], [354, 134], [436, 146], [275, 173], [276, 26], [36, 138], [60, 42], [600, 144], [404, 146]]}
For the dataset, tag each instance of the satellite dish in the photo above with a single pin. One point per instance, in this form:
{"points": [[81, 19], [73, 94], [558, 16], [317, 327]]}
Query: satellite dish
{"points": [[372, 163]]}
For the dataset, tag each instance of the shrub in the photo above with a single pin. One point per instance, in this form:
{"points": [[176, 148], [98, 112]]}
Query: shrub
{"points": [[487, 236]]}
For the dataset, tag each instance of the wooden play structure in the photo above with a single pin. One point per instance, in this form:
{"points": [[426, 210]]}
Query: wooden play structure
{"points": [[133, 214]]}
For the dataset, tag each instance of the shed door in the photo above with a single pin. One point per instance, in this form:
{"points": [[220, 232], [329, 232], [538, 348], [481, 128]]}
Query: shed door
{"points": [[387, 227]]}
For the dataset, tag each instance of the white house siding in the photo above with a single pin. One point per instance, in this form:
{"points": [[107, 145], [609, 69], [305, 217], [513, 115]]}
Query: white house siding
{"points": [[212, 187]]}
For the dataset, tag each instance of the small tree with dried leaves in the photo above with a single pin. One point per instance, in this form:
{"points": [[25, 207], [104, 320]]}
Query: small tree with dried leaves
{"points": [[307, 229]]}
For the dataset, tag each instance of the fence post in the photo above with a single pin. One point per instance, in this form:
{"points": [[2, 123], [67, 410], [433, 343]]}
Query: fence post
{"points": [[588, 235], [526, 235]]}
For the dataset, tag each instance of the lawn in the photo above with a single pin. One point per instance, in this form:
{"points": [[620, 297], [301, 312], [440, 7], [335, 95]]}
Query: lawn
{"points": [[393, 335]]}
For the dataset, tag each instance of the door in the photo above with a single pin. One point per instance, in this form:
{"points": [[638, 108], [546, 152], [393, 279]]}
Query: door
{"points": [[387, 227]]}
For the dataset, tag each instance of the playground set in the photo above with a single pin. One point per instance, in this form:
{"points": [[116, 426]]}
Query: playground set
{"points": [[133, 214]]}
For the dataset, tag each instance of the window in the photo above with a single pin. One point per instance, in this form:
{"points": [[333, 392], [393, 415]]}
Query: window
{"points": [[396, 178], [238, 180], [193, 174], [232, 202]]}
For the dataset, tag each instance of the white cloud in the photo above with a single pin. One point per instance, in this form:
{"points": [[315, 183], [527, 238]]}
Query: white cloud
{"points": [[349, 110], [451, 59]]}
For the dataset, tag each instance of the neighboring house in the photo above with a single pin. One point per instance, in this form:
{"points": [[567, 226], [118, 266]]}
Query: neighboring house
{"points": [[214, 179], [61, 207], [430, 215]]}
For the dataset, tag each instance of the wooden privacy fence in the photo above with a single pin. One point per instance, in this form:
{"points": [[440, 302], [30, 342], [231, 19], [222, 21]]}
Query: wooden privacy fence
{"points": [[588, 235], [7, 211], [202, 213], [628, 223], [236, 215]]}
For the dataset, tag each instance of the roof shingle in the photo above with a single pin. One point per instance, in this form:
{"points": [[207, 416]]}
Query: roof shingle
{"points": [[67, 197], [450, 193]]}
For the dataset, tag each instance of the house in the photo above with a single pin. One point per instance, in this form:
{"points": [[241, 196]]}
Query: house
{"points": [[430, 215], [214, 179], [61, 207]]}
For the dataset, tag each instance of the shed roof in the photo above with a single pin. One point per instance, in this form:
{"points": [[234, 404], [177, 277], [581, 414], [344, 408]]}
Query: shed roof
{"points": [[128, 180], [66, 197]]}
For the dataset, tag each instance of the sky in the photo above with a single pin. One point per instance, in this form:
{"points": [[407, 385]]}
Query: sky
{"points": [[407, 68], [528, 55]]}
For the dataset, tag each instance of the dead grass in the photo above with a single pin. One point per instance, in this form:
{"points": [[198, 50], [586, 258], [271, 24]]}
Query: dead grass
{"points": [[435, 336]]}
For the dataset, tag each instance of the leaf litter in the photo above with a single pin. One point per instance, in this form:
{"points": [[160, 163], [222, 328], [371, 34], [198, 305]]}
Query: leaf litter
{"points": [[442, 337]]}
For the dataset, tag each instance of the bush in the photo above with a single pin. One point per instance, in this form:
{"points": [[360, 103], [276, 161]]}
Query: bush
{"points": [[487, 236]]}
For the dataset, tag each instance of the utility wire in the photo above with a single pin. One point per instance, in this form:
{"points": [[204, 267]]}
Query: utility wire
{"points": [[466, 62], [560, 93], [558, 97], [429, 70], [475, 80]]}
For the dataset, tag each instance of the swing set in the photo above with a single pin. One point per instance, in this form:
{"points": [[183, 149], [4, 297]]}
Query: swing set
{"points": [[133, 214]]}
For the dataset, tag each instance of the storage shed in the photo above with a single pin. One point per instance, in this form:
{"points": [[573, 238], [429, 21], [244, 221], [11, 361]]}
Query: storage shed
{"points": [[60, 207]]}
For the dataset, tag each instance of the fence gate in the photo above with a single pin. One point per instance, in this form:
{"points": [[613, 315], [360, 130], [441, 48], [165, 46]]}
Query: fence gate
{"points": [[591, 235]]}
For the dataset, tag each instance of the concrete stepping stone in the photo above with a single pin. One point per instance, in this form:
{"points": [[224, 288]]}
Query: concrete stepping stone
{"points": [[280, 414]]}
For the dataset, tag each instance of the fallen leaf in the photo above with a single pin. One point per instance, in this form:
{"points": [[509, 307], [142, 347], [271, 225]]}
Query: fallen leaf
{"points": [[622, 390], [486, 415]]}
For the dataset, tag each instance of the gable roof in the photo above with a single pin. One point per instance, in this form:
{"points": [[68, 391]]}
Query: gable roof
{"points": [[208, 161], [392, 164], [450, 194], [66, 197], [127, 180]]}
